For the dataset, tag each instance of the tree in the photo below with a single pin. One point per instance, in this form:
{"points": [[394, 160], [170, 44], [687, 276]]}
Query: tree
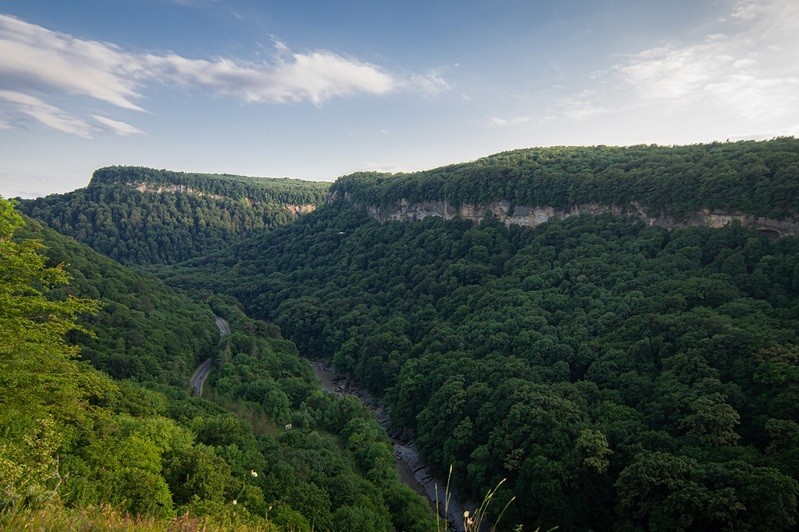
{"points": [[43, 388]]}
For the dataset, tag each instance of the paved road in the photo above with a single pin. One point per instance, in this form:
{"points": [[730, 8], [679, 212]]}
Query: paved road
{"points": [[202, 371], [224, 328], [200, 374]]}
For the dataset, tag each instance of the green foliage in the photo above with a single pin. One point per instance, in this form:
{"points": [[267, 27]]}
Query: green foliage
{"points": [[753, 177], [69, 434], [557, 358], [144, 216], [143, 329], [72, 437], [332, 464], [617, 375], [45, 393]]}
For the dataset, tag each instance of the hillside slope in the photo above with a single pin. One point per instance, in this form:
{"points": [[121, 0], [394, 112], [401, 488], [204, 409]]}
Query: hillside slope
{"points": [[617, 375], [144, 216], [754, 183], [73, 439], [144, 330]]}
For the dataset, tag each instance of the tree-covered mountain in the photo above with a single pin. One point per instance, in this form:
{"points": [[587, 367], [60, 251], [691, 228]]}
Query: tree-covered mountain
{"points": [[74, 440], [757, 178], [143, 216], [143, 330], [618, 375]]}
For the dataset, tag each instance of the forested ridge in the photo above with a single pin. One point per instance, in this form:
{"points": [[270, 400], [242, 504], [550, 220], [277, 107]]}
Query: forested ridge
{"points": [[752, 177], [618, 375], [80, 450], [143, 216], [142, 330]]}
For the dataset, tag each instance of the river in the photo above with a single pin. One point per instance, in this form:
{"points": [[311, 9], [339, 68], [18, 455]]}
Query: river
{"points": [[411, 467]]}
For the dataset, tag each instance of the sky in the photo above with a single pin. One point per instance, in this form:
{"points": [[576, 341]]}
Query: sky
{"points": [[318, 89]]}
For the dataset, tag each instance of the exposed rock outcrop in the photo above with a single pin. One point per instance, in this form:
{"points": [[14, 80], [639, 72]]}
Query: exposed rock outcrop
{"points": [[300, 209], [295, 209], [183, 189], [531, 216]]}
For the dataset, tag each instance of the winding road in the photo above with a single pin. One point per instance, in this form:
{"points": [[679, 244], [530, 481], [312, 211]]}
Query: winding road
{"points": [[202, 371]]}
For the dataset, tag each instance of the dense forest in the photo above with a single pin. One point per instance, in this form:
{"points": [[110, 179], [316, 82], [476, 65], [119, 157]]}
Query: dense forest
{"points": [[143, 330], [272, 451], [618, 375], [143, 216], [752, 177]]}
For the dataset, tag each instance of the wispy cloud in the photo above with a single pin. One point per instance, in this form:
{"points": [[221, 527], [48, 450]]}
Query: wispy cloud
{"points": [[315, 77], [121, 129], [429, 84], [382, 167], [748, 68], [47, 114], [505, 122], [36, 60]]}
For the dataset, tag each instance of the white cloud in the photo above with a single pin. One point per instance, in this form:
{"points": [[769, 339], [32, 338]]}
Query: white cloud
{"points": [[505, 122], [121, 129], [750, 70], [739, 79], [314, 77], [385, 168], [747, 9], [37, 60], [49, 115], [430, 84]]}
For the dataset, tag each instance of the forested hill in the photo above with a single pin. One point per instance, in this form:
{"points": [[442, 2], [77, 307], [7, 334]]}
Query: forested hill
{"points": [[144, 216], [670, 185], [143, 330], [618, 376], [80, 450], [295, 192]]}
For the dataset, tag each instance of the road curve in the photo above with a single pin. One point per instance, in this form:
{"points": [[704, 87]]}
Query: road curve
{"points": [[200, 374], [222, 325], [202, 371]]}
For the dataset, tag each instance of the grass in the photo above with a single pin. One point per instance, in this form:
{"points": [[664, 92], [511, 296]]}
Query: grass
{"points": [[54, 518], [472, 521]]}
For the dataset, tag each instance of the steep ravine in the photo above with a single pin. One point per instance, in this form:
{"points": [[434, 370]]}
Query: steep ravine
{"points": [[531, 216], [411, 467]]}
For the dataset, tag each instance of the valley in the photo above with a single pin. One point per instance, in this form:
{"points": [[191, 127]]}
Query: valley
{"points": [[608, 336], [411, 467]]}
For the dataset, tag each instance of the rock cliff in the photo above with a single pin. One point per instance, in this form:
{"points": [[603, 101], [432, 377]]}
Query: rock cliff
{"points": [[295, 209], [531, 216]]}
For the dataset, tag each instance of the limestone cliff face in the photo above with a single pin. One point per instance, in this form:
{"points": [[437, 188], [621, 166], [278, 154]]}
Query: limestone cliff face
{"points": [[300, 209], [173, 189], [296, 210], [531, 216]]}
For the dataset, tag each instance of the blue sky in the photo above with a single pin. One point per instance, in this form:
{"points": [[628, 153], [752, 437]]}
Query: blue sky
{"points": [[318, 89]]}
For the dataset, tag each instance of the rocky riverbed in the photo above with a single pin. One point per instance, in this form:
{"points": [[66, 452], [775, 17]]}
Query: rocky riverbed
{"points": [[410, 465]]}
